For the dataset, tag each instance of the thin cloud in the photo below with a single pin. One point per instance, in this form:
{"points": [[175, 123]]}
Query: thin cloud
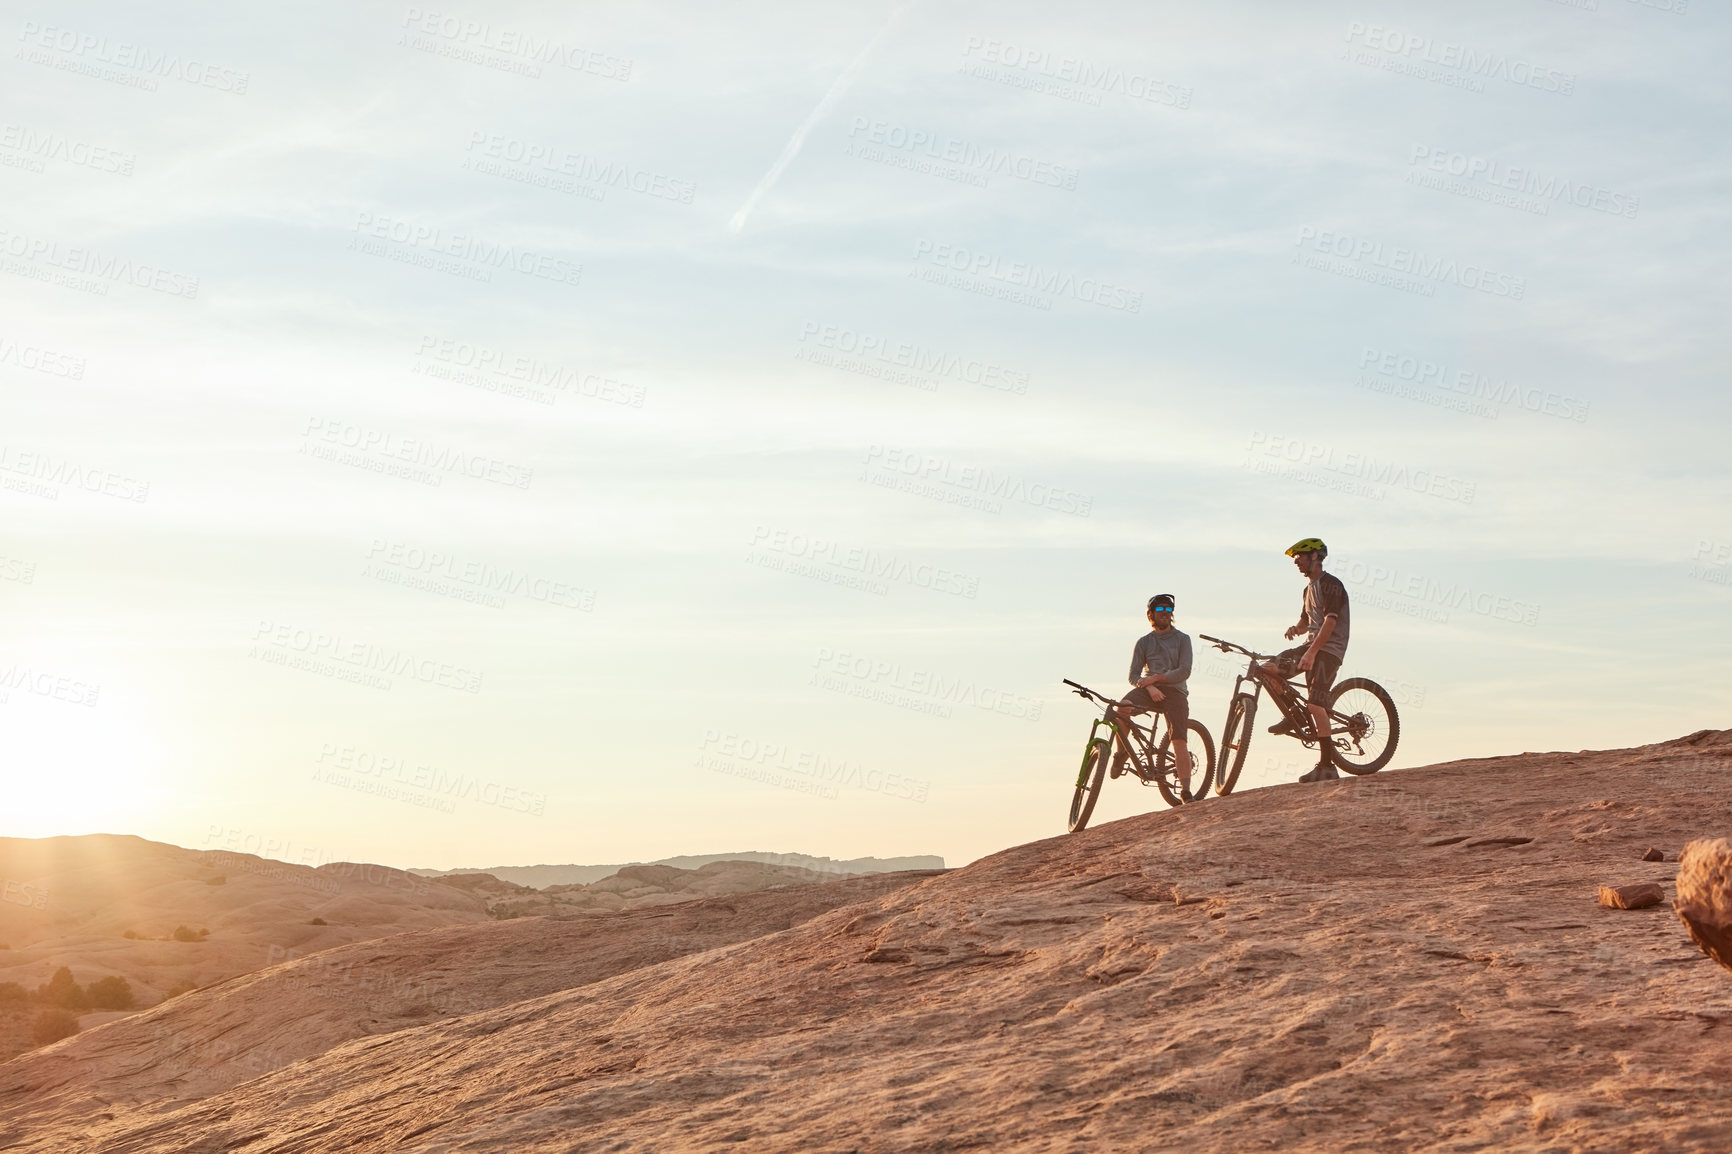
{"points": [[841, 85]]}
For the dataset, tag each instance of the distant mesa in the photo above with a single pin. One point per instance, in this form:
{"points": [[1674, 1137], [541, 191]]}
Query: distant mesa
{"points": [[540, 877]]}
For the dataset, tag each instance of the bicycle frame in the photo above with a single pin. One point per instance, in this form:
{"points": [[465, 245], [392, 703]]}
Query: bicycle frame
{"points": [[1289, 699], [1144, 762]]}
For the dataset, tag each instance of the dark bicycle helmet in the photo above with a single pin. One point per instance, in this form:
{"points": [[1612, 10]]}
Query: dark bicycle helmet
{"points": [[1162, 601]]}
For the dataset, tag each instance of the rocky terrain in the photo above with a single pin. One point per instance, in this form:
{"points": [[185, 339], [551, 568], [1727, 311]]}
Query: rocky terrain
{"points": [[168, 919], [211, 1039], [110, 906], [1414, 961]]}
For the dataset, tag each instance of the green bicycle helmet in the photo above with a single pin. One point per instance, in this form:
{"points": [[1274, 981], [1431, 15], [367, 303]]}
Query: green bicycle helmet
{"points": [[1308, 545]]}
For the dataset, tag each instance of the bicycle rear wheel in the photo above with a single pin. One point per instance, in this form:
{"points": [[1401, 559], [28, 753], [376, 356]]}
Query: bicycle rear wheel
{"points": [[1235, 742], [1096, 754], [1200, 750], [1373, 727]]}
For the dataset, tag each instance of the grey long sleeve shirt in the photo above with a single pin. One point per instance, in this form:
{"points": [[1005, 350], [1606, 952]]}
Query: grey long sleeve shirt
{"points": [[1168, 654]]}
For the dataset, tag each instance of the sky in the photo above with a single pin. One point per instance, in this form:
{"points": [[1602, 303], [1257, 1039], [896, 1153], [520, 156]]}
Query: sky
{"points": [[524, 433]]}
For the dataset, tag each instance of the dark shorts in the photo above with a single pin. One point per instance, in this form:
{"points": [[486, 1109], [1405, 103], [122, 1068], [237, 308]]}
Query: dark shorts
{"points": [[1175, 706], [1320, 680]]}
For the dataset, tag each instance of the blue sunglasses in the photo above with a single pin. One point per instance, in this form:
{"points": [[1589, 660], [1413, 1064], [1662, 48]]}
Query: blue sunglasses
{"points": [[1162, 609]]}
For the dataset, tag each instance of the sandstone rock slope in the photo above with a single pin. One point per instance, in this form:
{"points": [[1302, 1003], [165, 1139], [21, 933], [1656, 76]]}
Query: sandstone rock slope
{"points": [[1414, 961]]}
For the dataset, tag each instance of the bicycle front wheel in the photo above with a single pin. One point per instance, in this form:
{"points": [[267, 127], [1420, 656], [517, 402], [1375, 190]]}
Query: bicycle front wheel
{"points": [[1199, 751], [1235, 742], [1096, 754], [1372, 729]]}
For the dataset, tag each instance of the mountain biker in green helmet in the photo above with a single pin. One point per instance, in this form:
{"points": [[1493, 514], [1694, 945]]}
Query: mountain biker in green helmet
{"points": [[1323, 614], [1160, 666]]}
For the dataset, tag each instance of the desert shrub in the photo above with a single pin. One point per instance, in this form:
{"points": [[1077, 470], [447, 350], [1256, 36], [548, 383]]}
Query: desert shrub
{"points": [[111, 993], [219, 880], [188, 934], [184, 986], [13, 992], [62, 991], [53, 1025], [318, 922], [130, 935]]}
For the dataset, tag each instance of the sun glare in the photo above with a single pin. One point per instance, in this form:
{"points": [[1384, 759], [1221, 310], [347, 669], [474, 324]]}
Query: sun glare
{"points": [[73, 769]]}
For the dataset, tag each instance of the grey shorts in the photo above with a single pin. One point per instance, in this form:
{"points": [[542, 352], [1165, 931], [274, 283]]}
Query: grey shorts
{"points": [[1320, 680], [1175, 706]]}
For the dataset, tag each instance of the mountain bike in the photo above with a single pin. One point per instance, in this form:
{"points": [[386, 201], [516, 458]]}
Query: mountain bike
{"points": [[1139, 752], [1363, 725]]}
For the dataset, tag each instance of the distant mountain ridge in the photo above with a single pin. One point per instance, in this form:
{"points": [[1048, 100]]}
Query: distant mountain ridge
{"points": [[542, 876]]}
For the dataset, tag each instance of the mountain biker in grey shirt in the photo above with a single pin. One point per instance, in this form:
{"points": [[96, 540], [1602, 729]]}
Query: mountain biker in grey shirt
{"points": [[1323, 617], [1160, 666]]}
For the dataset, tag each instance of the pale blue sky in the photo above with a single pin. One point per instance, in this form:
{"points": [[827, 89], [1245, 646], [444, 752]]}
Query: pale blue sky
{"points": [[659, 497]]}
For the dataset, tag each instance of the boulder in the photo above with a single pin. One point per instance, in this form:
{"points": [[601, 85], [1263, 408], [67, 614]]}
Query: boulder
{"points": [[1653, 855], [1704, 901], [1636, 897]]}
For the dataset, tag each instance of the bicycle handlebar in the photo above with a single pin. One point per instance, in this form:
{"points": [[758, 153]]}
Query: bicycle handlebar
{"points": [[1085, 691], [1224, 646]]}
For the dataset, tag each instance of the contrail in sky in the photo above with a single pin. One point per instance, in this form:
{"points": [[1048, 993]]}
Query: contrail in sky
{"points": [[795, 142]]}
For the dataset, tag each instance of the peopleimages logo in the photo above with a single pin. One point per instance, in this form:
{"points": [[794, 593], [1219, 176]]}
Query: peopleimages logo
{"points": [[82, 47], [43, 146], [103, 266], [1077, 79], [1364, 468], [1411, 262], [429, 241], [325, 437], [280, 644], [972, 479], [516, 43], [923, 362], [1030, 277], [1470, 61], [41, 360], [1472, 385], [889, 680], [496, 369], [479, 579], [870, 568], [560, 162], [724, 751], [966, 155], [44, 474], [1517, 179], [1434, 594]]}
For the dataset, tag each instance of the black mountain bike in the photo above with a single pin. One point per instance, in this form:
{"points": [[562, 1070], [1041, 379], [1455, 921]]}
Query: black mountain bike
{"points": [[1139, 752], [1363, 725]]}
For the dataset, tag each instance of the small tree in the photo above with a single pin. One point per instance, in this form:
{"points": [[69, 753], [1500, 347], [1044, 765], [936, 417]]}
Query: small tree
{"points": [[113, 993], [11, 992], [63, 992], [184, 986], [53, 1025], [188, 934]]}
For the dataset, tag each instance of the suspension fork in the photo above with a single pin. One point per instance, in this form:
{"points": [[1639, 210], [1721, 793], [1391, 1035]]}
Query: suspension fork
{"points": [[1094, 732]]}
